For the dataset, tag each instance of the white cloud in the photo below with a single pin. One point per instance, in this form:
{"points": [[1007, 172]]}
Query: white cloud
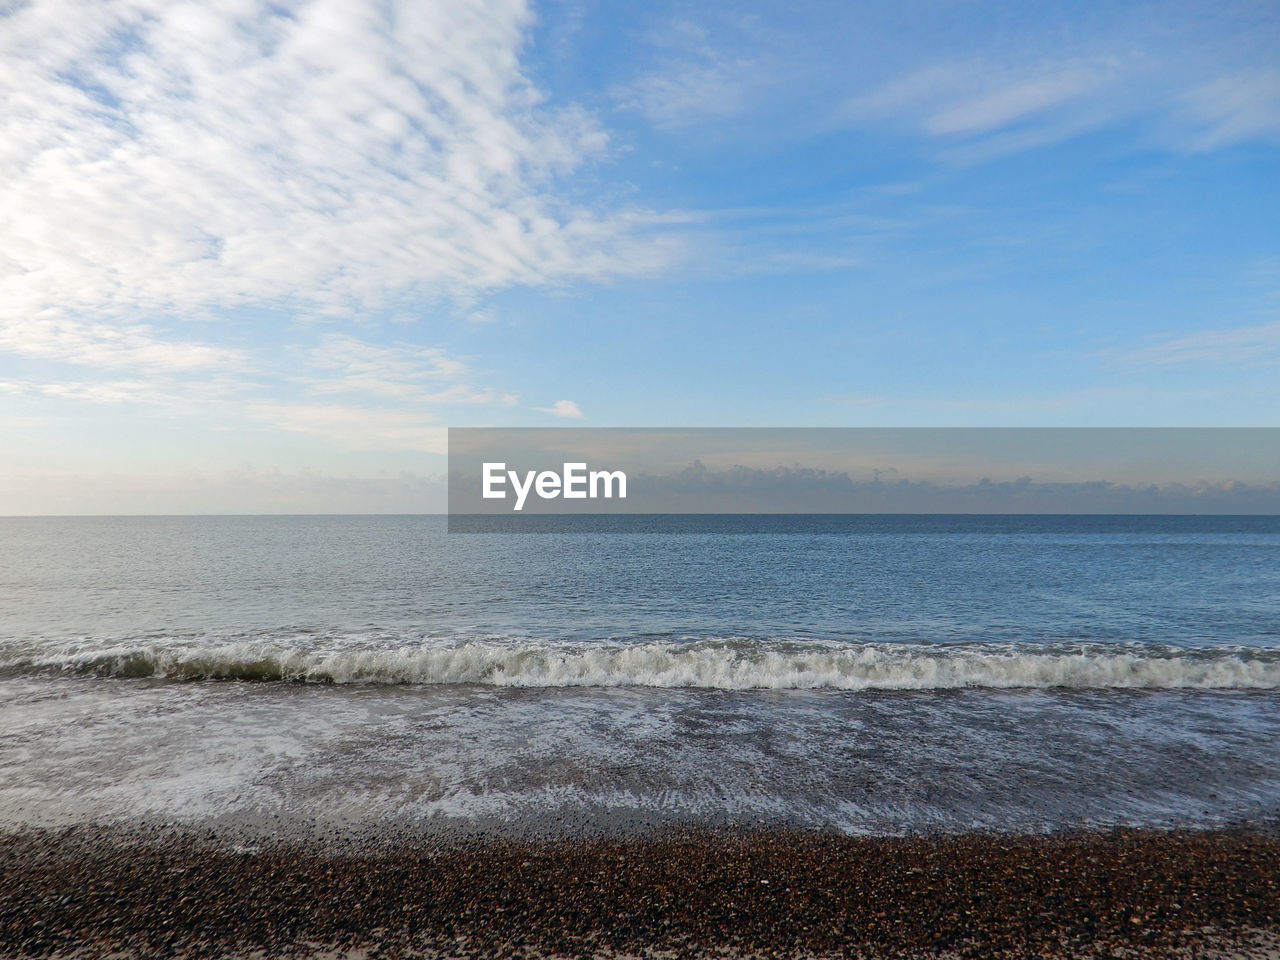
{"points": [[394, 392], [160, 159], [1240, 107], [411, 375], [171, 393], [1200, 79], [563, 408], [401, 371], [104, 392], [46, 335], [1012, 102], [682, 94], [692, 73], [164, 165], [1011, 105], [1260, 343], [356, 427]]}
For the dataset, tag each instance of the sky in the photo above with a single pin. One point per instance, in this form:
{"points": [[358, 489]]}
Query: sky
{"points": [[256, 257]]}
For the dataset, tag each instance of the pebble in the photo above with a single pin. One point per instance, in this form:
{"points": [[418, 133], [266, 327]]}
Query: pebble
{"points": [[174, 892]]}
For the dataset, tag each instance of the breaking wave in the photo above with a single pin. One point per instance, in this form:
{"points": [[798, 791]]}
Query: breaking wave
{"points": [[725, 664]]}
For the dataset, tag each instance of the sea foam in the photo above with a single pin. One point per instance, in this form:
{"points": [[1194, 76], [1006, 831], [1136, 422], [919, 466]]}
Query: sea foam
{"points": [[726, 664]]}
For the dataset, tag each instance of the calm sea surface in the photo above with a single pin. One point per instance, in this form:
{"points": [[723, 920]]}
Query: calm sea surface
{"points": [[275, 673]]}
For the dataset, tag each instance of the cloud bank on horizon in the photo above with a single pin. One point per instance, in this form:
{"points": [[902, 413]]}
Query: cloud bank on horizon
{"points": [[240, 236]]}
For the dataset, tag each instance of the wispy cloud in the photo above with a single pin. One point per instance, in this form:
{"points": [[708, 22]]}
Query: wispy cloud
{"points": [[1014, 102], [1243, 106], [172, 394], [692, 79], [970, 85], [394, 394], [563, 408], [391, 396], [1256, 344], [356, 427], [1008, 105], [134, 346], [399, 371], [102, 392]]}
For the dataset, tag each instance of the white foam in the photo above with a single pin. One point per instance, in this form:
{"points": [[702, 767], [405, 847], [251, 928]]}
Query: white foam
{"points": [[733, 664]]}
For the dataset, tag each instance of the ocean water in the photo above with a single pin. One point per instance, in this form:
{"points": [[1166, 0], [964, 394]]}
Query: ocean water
{"points": [[320, 673]]}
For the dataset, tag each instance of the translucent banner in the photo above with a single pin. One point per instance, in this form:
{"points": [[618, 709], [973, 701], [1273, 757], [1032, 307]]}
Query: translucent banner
{"points": [[745, 480]]}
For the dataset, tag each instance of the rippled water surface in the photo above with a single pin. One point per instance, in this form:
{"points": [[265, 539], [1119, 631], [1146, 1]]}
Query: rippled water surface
{"points": [[321, 670]]}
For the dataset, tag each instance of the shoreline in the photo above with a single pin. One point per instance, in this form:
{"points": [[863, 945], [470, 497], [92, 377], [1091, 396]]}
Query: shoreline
{"points": [[187, 892]]}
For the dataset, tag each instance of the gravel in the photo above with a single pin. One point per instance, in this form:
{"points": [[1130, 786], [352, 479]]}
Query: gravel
{"points": [[171, 892]]}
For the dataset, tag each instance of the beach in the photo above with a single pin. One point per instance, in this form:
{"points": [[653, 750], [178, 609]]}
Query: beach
{"points": [[170, 892], [554, 480], [364, 737]]}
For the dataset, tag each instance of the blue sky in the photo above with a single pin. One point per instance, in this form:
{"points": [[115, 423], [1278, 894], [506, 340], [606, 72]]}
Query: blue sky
{"points": [[257, 256]]}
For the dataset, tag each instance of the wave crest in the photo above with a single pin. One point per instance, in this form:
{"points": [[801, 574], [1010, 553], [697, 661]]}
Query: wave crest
{"points": [[725, 664]]}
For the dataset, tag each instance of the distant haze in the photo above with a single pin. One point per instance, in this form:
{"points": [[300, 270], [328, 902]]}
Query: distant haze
{"points": [[779, 470]]}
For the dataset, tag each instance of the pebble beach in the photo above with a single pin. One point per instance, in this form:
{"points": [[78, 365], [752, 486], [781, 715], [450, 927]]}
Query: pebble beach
{"points": [[170, 892], [335, 737]]}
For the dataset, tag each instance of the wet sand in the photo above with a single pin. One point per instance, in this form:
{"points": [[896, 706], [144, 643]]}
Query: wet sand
{"points": [[162, 892]]}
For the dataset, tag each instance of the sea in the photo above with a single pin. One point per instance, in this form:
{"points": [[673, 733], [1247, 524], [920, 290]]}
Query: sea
{"points": [[320, 675]]}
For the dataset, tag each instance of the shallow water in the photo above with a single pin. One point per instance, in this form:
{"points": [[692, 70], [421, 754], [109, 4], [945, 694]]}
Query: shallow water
{"points": [[880, 683]]}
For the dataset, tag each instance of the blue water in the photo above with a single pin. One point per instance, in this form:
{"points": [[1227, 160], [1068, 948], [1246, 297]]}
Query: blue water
{"points": [[947, 674]]}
